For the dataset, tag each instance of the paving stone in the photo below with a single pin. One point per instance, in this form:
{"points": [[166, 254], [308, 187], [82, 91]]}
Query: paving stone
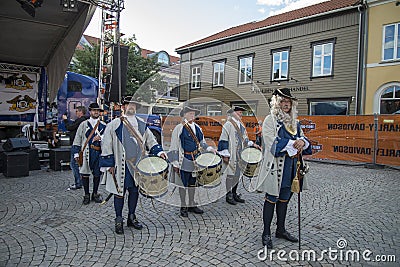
{"points": [[52, 228]]}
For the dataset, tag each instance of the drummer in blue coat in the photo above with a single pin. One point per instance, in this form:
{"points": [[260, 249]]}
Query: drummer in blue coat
{"points": [[93, 129], [125, 142], [187, 142], [232, 141]]}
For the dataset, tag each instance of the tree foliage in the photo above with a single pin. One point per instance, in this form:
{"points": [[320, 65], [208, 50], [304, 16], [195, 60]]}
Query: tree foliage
{"points": [[86, 61], [141, 72]]}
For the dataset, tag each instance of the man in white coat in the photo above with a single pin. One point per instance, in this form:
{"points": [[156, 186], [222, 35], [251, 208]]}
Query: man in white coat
{"points": [[123, 145], [283, 139], [187, 142], [232, 141], [93, 129]]}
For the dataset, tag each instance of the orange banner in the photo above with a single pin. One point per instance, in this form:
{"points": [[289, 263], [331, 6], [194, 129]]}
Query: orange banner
{"points": [[349, 138]]}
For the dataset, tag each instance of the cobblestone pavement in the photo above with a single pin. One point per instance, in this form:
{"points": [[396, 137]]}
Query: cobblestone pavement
{"points": [[43, 224]]}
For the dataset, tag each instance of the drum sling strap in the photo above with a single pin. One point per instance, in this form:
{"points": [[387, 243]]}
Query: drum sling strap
{"points": [[88, 139], [139, 139], [196, 140], [238, 131]]}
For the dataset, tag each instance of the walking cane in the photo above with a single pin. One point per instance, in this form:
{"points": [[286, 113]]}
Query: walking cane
{"points": [[298, 211]]}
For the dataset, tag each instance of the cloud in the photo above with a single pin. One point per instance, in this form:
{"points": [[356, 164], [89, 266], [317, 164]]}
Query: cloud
{"points": [[273, 2], [261, 10], [290, 5], [236, 7]]}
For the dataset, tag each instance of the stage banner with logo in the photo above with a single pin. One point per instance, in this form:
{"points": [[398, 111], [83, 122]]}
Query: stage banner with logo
{"points": [[18, 93]]}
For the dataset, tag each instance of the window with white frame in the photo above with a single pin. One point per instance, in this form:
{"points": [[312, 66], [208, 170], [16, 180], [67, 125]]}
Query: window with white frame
{"points": [[195, 77], [390, 100], [214, 110], [218, 77], [328, 107], [280, 65], [245, 69], [391, 42], [322, 59]]}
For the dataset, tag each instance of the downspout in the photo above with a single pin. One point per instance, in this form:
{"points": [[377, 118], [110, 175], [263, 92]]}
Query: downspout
{"points": [[360, 66], [190, 74]]}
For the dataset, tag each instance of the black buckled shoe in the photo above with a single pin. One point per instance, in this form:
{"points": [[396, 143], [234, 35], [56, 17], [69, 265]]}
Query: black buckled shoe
{"points": [[119, 225], [86, 199], [196, 210], [97, 198], [230, 199], [238, 199], [184, 212], [286, 236], [133, 222], [267, 241]]}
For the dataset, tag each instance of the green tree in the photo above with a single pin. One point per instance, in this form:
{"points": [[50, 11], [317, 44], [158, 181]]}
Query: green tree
{"points": [[86, 61], [141, 73]]}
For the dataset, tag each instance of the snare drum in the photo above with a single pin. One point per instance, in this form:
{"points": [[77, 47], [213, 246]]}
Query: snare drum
{"points": [[152, 176], [209, 167], [250, 161]]}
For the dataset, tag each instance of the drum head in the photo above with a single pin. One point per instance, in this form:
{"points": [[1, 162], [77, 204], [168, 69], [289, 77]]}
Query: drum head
{"points": [[152, 165], [251, 155], [208, 160]]}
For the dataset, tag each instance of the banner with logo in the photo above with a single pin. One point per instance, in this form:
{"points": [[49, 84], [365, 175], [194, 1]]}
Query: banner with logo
{"points": [[18, 93], [347, 138], [353, 138]]}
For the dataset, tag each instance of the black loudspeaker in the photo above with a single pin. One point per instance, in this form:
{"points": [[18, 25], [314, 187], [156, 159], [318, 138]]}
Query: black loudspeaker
{"points": [[59, 158], [34, 162], [16, 144], [15, 164], [112, 88]]}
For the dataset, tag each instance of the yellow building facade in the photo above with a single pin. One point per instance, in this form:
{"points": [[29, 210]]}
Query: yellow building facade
{"points": [[382, 65]]}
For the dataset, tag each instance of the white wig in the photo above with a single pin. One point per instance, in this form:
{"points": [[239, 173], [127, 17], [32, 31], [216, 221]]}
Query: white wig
{"points": [[287, 118]]}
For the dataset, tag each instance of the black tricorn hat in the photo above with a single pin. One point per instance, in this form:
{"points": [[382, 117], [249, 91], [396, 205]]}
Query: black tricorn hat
{"points": [[94, 106], [238, 108], [189, 109], [131, 99], [284, 92]]}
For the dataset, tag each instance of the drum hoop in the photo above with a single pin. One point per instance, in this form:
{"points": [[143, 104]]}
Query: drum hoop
{"points": [[212, 166], [250, 148], [151, 174]]}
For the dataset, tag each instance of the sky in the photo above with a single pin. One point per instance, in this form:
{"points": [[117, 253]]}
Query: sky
{"points": [[169, 24]]}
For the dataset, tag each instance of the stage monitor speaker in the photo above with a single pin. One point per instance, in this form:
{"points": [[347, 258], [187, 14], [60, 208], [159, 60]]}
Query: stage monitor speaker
{"points": [[112, 88], [34, 162], [59, 157], [13, 144], [16, 164]]}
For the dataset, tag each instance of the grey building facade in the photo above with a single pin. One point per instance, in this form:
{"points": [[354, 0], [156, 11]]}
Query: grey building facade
{"points": [[317, 56]]}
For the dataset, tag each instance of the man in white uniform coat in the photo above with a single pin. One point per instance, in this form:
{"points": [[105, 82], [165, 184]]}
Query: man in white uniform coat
{"points": [[232, 141], [125, 139], [93, 128], [187, 141], [283, 139]]}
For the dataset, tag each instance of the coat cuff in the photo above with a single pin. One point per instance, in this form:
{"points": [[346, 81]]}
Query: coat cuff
{"points": [[156, 149], [222, 145], [107, 161]]}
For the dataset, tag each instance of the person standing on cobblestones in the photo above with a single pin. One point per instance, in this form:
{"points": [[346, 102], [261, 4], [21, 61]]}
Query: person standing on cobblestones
{"points": [[72, 127], [232, 141], [123, 141], [93, 129], [283, 139], [187, 141]]}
